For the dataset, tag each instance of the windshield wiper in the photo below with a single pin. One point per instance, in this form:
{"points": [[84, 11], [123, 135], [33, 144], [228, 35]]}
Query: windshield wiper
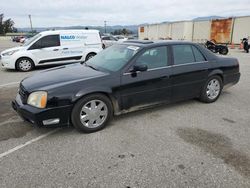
{"points": [[90, 66]]}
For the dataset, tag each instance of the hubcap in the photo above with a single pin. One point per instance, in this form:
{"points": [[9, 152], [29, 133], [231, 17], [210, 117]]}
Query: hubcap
{"points": [[93, 113], [213, 89], [25, 65]]}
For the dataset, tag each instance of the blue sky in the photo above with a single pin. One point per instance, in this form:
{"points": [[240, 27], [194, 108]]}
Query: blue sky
{"points": [[46, 13]]}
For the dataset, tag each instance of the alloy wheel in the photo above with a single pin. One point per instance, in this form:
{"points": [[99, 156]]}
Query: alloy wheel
{"points": [[93, 113], [213, 89]]}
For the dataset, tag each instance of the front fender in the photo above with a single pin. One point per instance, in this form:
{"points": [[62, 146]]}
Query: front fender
{"points": [[90, 90]]}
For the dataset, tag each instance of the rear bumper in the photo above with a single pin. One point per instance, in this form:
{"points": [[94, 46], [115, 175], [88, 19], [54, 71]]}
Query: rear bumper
{"points": [[231, 79], [40, 116]]}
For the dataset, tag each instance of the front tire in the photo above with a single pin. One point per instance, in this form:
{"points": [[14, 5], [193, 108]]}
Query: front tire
{"points": [[211, 90], [89, 56], [92, 113], [24, 64]]}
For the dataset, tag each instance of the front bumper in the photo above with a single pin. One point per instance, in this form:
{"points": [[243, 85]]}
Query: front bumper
{"points": [[7, 62], [39, 116]]}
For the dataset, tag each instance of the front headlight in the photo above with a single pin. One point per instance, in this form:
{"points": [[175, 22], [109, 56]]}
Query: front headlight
{"points": [[38, 99], [9, 53]]}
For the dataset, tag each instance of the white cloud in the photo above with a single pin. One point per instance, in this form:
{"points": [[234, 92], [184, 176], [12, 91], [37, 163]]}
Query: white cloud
{"points": [[94, 12]]}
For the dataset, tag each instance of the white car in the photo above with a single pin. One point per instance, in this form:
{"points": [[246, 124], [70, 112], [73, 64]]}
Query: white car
{"points": [[109, 41], [53, 47], [121, 38]]}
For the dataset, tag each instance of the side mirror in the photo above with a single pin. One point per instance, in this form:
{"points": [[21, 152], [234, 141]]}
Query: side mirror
{"points": [[140, 68]]}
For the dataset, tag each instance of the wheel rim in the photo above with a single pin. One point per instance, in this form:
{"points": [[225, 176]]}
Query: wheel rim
{"points": [[93, 113], [213, 89], [25, 65]]}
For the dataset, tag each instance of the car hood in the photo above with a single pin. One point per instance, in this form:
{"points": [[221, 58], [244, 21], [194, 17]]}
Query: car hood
{"points": [[60, 76], [12, 49]]}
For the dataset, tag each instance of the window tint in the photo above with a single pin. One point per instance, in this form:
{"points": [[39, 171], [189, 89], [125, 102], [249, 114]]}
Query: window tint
{"points": [[112, 38], [50, 41], [154, 58], [183, 54], [198, 55], [47, 41], [106, 38]]}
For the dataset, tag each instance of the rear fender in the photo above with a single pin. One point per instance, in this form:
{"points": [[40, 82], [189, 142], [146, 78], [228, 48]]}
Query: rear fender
{"points": [[216, 72]]}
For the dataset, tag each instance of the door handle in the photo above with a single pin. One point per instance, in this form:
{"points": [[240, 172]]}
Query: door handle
{"points": [[55, 49], [65, 48]]}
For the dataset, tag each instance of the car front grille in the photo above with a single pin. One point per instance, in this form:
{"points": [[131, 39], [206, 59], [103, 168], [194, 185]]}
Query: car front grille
{"points": [[23, 94]]}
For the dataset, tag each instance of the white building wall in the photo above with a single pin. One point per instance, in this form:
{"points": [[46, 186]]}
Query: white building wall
{"points": [[141, 35], [164, 31], [177, 31], [198, 31], [153, 32], [201, 31], [241, 29], [188, 31]]}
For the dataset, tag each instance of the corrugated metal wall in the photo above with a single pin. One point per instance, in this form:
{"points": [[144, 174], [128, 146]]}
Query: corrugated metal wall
{"points": [[241, 29], [223, 30]]}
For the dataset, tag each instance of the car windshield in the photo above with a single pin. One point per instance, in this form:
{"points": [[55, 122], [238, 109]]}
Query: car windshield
{"points": [[31, 40], [114, 57]]}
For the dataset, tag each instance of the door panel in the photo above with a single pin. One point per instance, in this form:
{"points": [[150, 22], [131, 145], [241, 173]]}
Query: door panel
{"points": [[147, 87], [150, 86], [187, 80], [189, 72], [47, 49]]}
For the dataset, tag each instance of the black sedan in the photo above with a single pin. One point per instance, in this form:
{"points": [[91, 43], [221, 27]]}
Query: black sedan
{"points": [[125, 77]]}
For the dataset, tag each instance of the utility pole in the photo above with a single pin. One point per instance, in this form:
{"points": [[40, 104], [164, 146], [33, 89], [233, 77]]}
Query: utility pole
{"points": [[31, 24], [105, 26]]}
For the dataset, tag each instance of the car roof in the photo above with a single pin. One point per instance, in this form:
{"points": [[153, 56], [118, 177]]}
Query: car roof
{"points": [[69, 31], [150, 43]]}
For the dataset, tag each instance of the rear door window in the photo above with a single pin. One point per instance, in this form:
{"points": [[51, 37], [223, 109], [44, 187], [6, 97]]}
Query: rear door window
{"points": [[183, 54], [198, 55]]}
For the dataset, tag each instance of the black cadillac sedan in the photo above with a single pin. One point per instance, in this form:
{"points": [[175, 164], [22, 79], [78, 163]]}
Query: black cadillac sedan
{"points": [[125, 77]]}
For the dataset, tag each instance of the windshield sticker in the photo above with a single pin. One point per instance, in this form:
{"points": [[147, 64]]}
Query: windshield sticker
{"points": [[133, 48]]}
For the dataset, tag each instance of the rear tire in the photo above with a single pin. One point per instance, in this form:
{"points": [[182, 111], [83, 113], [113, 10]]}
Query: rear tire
{"points": [[224, 51], [211, 89], [92, 113], [25, 64]]}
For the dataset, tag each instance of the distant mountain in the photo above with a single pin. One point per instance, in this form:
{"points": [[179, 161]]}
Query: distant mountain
{"points": [[109, 29], [207, 18]]}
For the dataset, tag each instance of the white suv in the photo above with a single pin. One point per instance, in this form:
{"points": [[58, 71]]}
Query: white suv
{"points": [[53, 47]]}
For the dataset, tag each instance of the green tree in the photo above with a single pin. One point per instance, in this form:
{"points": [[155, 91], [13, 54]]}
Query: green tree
{"points": [[6, 26], [1, 24], [123, 31]]}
